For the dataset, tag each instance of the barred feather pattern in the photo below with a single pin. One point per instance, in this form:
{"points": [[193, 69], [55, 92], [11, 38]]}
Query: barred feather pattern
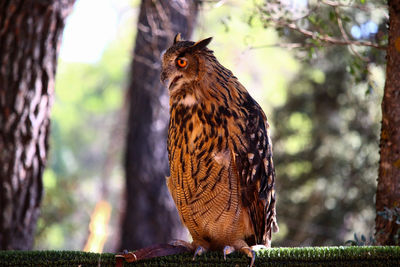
{"points": [[220, 154]]}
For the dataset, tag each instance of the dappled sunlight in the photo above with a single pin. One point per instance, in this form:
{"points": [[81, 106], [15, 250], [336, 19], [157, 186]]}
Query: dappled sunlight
{"points": [[98, 227]]}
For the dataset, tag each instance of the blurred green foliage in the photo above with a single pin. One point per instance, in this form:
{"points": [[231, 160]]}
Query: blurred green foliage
{"points": [[326, 144], [326, 154]]}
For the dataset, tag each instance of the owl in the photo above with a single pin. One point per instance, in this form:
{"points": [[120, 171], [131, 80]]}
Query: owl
{"points": [[220, 154]]}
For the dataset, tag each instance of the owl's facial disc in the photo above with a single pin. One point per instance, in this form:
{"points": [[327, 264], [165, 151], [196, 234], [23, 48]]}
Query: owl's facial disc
{"points": [[176, 71], [181, 63], [179, 66]]}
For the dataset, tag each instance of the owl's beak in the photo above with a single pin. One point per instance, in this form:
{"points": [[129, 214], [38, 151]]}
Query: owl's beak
{"points": [[173, 83]]}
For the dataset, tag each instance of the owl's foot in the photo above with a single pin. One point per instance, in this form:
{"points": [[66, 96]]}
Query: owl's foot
{"points": [[249, 253], [199, 251], [228, 250]]}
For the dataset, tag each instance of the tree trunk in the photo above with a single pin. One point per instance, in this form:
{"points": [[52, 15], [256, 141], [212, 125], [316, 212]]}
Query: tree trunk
{"points": [[150, 215], [388, 192], [30, 33]]}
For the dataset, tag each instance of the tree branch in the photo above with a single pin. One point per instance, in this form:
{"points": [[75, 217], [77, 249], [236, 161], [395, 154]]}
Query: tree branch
{"points": [[326, 38], [345, 36]]}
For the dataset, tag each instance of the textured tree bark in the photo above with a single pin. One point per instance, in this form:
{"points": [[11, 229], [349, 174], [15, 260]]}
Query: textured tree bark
{"points": [[150, 215], [30, 32], [388, 192]]}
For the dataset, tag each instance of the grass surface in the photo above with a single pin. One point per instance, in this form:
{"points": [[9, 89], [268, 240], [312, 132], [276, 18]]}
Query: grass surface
{"points": [[309, 256]]}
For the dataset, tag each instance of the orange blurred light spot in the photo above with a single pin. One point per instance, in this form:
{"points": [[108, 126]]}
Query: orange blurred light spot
{"points": [[397, 44], [98, 227]]}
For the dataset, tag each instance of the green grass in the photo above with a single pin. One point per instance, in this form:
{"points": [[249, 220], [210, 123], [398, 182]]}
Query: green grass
{"points": [[309, 256]]}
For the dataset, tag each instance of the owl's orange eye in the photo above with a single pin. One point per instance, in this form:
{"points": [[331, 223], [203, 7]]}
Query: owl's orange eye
{"points": [[181, 62]]}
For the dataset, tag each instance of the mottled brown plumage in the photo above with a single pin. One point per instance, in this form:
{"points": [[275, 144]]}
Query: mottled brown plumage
{"points": [[220, 155]]}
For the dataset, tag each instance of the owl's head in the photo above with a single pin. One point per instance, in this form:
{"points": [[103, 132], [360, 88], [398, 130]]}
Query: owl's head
{"points": [[181, 63]]}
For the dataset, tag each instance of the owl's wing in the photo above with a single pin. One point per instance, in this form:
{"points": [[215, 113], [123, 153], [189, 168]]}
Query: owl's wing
{"points": [[257, 175]]}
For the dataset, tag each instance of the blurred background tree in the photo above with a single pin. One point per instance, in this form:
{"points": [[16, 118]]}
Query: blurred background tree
{"points": [[327, 151], [149, 215], [326, 23], [388, 192], [88, 125], [322, 102]]}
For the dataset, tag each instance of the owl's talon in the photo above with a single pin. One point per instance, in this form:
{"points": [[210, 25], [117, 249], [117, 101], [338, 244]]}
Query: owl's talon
{"points": [[198, 252], [249, 253], [228, 250], [253, 258]]}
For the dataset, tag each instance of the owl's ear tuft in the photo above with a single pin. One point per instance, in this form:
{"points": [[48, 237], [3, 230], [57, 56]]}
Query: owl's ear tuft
{"points": [[201, 44], [177, 38]]}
